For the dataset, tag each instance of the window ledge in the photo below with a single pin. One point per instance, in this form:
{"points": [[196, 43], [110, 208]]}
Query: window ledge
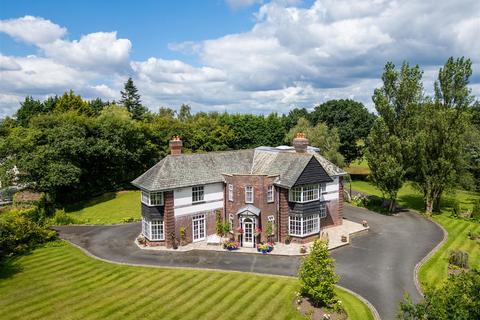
{"points": [[198, 202]]}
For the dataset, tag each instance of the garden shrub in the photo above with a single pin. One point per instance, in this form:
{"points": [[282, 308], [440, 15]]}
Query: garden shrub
{"points": [[457, 298], [317, 276], [458, 258], [456, 209], [18, 234], [61, 218], [476, 210]]}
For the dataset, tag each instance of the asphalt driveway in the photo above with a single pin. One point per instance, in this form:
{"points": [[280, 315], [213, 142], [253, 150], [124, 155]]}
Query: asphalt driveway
{"points": [[378, 265]]}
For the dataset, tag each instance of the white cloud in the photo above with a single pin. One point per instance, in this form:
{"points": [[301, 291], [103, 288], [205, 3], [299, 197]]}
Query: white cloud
{"points": [[292, 56], [33, 30], [100, 51]]}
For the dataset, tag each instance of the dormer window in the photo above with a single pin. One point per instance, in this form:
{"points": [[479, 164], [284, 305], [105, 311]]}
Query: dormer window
{"points": [[152, 198]]}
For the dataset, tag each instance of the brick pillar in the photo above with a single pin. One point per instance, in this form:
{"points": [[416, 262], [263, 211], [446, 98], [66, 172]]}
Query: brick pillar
{"points": [[340, 199], [283, 213], [168, 216]]}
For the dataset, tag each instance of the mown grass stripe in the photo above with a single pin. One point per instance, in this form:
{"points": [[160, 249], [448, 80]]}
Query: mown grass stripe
{"points": [[208, 308], [201, 295], [188, 290], [165, 294], [282, 301], [256, 305], [117, 307], [249, 296]]}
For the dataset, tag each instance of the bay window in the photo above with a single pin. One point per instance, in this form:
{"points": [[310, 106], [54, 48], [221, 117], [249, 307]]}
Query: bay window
{"points": [[303, 225], [153, 229], [305, 193], [152, 198]]}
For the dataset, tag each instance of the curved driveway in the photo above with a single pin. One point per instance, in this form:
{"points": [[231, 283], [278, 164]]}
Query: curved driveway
{"points": [[378, 265]]}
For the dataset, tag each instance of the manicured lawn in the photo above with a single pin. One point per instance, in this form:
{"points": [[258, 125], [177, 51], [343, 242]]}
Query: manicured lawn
{"points": [[435, 269], [60, 282], [114, 207]]}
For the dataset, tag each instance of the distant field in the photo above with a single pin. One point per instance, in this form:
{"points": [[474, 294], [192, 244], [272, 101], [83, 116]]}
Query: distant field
{"points": [[358, 167], [114, 207], [435, 269], [61, 282]]}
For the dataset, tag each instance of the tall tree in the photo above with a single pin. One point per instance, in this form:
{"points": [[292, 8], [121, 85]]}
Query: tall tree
{"points": [[131, 100], [441, 127], [72, 102], [28, 108], [385, 159], [185, 112], [351, 118], [395, 102]]}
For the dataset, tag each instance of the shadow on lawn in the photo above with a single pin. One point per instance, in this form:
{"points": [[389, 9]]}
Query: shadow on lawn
{"points": [[91, 202], [8, 268]]}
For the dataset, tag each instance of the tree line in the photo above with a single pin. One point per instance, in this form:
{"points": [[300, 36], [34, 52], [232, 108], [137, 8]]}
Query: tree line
{"points": [[72, 148]]}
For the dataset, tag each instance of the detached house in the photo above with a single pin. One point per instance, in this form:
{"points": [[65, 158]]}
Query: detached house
{"points": [[295, 188]]}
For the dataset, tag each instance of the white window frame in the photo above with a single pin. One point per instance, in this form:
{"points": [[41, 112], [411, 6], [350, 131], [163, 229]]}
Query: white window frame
{"points": [[305, 193], [154, 229], [270, 193], [323, 187], [230, 192], [299, 224], [152, 198], [197, 236], [249, 196], [198, 194]]}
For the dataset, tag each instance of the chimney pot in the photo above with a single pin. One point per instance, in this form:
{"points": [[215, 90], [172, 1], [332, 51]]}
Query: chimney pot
{"points": [[176, 145], [300, 142]]}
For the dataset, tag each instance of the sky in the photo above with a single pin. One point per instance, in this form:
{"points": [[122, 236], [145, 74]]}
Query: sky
{"points": [[247, 56]]}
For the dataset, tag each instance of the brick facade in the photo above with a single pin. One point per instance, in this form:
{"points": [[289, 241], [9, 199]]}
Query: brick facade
{"points": [[187, 222], [260, 185]]}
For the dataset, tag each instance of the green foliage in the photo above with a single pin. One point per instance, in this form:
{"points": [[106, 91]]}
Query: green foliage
{"points": [[476, 210], [61, 218], [71, 102], [385, 159], [131, 100], [219, 222], [19, 233], [458, 258], [456, 209], [320, 136], [317, 275], [353, 121], [458, 298]]}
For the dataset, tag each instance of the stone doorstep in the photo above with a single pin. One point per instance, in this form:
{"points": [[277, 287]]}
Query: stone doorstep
{"points": [[281, 249]]}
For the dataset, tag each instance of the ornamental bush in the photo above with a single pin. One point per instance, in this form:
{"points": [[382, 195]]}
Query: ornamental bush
{"points": [[18, 234], [317, 276]]}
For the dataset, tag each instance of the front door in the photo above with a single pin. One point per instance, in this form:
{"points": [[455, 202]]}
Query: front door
{"points": [[248, 233]]}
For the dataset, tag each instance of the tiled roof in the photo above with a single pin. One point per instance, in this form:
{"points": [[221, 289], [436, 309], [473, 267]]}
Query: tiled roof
{"points": [[203, 168]]}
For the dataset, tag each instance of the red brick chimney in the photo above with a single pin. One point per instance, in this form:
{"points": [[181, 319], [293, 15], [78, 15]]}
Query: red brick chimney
{"points": [[176, 145], [300, 143]]}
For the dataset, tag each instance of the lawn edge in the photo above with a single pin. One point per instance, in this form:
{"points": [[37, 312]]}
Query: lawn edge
{"points": [[424, 260], [370, 306]]}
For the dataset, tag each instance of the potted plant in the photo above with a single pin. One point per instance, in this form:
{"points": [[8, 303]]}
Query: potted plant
{"points": [[288, 239], [173, 237], [231, 245], [183, 236], [270, 246], [303, 249], [239, 232]]}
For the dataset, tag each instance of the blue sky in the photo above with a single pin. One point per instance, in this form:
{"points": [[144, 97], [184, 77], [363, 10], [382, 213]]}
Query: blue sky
{"points": [[236, 55]]}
